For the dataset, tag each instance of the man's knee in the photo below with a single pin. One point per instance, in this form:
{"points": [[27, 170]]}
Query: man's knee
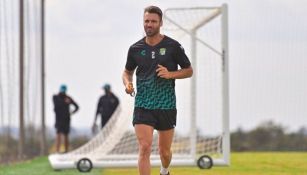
{"points": [[165, 153], [145, 148]]}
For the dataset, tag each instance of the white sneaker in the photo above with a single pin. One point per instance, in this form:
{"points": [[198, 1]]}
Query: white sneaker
{"points": [[165, 174]]}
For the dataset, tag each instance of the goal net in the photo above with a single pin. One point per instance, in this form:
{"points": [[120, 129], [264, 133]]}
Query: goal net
{"points": [[202, 101]]}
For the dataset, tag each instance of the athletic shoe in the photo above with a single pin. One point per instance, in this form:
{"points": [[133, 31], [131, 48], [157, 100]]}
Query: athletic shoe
{"points": [[166, 174]]}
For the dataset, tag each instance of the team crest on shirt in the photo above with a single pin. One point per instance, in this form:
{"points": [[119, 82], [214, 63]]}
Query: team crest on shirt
{"points": [[162, 51], [143, 52]]}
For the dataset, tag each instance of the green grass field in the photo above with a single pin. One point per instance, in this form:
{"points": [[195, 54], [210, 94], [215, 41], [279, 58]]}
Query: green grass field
{"points": [[270, 163]]}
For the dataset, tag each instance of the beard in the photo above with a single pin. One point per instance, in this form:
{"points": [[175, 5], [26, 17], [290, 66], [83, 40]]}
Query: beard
{"points": [[150, 32]]}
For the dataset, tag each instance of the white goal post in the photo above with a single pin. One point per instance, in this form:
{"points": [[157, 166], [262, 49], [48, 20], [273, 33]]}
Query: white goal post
{"points": [[202, 103]]}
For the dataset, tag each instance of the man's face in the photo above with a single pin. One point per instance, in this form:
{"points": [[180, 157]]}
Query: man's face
{"points": [[152, 24]]}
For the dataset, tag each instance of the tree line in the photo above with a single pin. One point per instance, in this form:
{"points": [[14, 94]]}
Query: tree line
{"points": [[269, 136], [9, 144]]}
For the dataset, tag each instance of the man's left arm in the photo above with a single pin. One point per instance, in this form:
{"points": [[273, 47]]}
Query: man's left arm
{"points": [[116, 102], [75, 105], [179, 74]]}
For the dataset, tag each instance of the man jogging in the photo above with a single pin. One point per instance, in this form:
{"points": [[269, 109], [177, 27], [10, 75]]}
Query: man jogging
{"points": [[155, 58]]}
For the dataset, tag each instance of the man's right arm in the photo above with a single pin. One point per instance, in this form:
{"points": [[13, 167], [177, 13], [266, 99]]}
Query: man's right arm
{"points": [[127, 80], [98, 110], [55, 101]]}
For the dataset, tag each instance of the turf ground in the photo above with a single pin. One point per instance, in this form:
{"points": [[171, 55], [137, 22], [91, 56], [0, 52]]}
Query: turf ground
{"points": [[264, 163]]}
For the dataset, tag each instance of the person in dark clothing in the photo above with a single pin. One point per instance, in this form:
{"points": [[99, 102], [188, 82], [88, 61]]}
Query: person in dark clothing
{"points": [[62, 103], [107, 104], [155, 59]]}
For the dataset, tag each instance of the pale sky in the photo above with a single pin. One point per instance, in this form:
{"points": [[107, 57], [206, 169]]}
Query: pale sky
{"points": [[87, 42]]}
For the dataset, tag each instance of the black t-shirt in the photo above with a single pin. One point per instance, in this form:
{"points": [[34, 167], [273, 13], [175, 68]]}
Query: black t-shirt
{"points": [[62, 103], [154, 92], [107, 105]]}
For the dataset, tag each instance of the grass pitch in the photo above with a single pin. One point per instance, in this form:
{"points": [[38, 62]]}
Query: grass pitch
{"points": [[263, 163]]}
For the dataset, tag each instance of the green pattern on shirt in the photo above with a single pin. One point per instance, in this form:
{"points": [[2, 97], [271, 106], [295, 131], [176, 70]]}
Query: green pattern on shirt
{"points": [[155, 93]]}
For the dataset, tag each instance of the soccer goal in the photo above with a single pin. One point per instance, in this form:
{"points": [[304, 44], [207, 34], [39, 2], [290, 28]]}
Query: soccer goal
{"points": [[202, 133]]}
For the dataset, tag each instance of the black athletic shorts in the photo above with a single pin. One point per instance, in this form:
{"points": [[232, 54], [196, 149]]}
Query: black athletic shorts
{"points": [[160, 119], [62, 127]]}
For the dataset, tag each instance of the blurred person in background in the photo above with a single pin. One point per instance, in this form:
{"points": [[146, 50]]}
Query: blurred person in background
{"points": [[62, 103], [106, 106]]}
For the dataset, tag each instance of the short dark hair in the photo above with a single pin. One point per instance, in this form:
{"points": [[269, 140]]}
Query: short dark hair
{"points": [[154, 9]]}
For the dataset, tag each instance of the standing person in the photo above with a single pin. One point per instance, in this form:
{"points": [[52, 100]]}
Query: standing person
{"points": [[62, 103], [156, 58], [107, 104]]}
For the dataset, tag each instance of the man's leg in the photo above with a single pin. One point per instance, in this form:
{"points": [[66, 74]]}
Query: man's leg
{"points": [[144, 134], [66, 142], [165, 143], [58, 142]]}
